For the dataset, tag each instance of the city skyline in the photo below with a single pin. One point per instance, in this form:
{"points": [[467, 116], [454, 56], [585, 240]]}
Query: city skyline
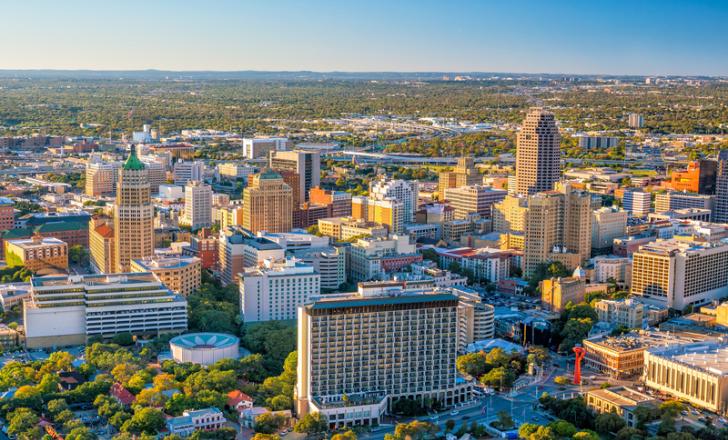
{"points": [[654, 38]]}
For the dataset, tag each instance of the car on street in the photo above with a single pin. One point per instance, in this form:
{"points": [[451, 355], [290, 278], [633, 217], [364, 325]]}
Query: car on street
{"points": [[454, 412]]}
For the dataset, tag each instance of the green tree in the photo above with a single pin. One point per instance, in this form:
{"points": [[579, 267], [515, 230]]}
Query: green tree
{"points": [[261, 436], [504, 421], [124, 339], [497, 357], [273, 340], [628, 433], [574, 332], [81, 433], [78, 255], [498, 378], [312, 423], [644, 414], [252, 368], [562, 428], [145, 420], [671, 408], [667, 425], [415, 430], [541, 433], [581, 311], [348, 435], [586, 435], [473, 364], [22, 421], [269, 423], [608, 423], [55, 406]]}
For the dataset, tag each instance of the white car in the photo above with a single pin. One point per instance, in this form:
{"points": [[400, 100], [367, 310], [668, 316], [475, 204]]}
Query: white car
{"points": [[454, 412]]}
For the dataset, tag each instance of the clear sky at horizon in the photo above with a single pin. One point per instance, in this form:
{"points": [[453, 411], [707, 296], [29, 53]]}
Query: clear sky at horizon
{"points": [[648, 37]]}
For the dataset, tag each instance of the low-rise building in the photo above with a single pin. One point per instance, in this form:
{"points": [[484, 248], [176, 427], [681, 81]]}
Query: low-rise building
{"points": [[66, 310], [13, 294], [625, 313], [619, 400], [345, 228], [485, 263], [623, 356], [208, 419], [38, 254], [696, 373]]}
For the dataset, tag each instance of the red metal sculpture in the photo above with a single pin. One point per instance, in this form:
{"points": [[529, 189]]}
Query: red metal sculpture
{"points": [[579, 351]]}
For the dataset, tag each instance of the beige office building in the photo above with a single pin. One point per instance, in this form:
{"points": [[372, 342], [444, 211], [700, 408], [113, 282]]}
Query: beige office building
{"points": [[558, 228], [473, 199], [696, 373], [358, 354], [556, 293], [509, 215], [538, 155], [306, 164], [100, 177], [676, 273], [607, 224], [267, 203], [182, 275], [463, 174], [133, 214]]}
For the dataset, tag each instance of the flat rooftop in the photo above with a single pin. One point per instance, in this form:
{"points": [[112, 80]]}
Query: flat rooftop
{"points": [[92, 280], [642, 340], [622, 396], [711, 357], [169, 262], [30, 243], [359, 301]]}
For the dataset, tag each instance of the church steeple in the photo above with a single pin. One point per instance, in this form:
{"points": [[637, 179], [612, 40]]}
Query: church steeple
{"points": [[133, 163]]}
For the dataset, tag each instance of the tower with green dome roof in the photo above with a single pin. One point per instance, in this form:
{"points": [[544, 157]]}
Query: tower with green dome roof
{"points": [[133, 214], [133, 162]]}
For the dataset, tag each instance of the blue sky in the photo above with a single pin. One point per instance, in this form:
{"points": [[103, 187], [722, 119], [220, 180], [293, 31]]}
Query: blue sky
{"points": [[555, 36]]}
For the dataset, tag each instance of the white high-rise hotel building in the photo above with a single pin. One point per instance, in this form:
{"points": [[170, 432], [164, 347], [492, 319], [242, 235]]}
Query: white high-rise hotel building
{"points": [[274, 290], [374, 350]]}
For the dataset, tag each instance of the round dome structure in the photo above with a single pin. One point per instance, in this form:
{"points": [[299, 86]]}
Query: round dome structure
{"points": [[204, 348]]}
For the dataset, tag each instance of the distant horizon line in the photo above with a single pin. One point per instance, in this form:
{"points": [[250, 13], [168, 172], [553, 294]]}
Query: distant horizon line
{"points": [[353, 72]]}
